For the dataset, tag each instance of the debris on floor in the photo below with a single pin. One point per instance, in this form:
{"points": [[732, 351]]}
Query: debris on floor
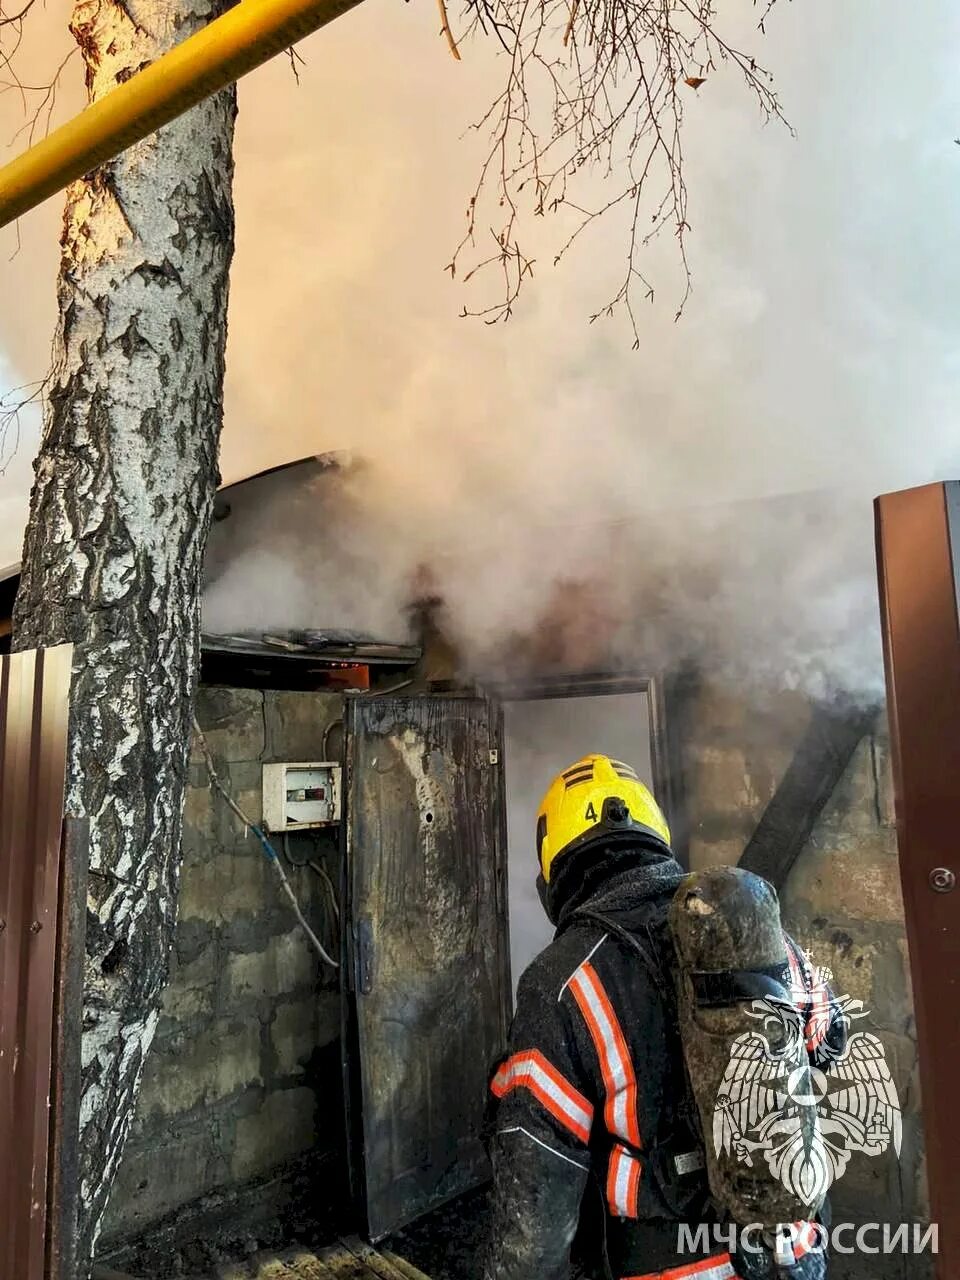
{"points": [[349, 1260]]}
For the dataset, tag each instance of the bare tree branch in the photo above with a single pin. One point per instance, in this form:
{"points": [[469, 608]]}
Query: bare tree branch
{"points": [[12, 406], [297, 61], [445, 28], [38, 100], [44, 104], [16, 19], [592, 88]]}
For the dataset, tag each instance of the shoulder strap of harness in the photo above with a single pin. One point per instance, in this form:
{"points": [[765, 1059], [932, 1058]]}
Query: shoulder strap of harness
{"points": [[651, 952], [676, 1152]]}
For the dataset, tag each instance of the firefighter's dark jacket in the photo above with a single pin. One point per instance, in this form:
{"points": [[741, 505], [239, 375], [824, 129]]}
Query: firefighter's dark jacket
{"points": [[587, 1094]]}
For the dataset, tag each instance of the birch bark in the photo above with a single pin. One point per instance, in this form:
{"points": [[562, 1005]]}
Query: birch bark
{"points": [[120, 509]]}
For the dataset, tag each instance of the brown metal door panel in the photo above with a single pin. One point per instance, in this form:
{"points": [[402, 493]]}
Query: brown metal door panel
{"points": [[429, 956], [34, 693], [918, 551]]}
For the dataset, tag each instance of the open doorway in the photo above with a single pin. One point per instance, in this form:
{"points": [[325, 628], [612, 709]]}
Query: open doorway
{"points": [[546, 728]]}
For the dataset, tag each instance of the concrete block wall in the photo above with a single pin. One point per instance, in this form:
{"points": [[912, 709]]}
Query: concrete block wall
{"points": [[243, 1075], [842, 902]]}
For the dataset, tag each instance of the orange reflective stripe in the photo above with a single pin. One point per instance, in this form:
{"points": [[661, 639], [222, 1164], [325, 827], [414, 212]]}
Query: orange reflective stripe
{"points": [[531, 1070], [818, 1024], [811, 997], [717, 1268], [623, 1183], [616, 1067], [612, 1170], [805, 1239]]}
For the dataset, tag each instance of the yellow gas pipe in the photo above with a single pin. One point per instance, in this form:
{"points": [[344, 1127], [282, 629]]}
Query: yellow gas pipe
{"points": [[244, 37]]}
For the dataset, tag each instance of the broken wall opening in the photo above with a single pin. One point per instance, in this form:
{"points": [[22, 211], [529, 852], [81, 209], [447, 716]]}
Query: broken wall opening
{"points": [[545, 730]]}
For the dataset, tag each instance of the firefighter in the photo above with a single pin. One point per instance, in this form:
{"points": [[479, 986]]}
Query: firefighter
{"points": [[592, 1092]]}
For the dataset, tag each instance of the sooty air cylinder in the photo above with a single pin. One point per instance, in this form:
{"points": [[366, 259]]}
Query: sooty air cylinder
{"points": [[743, 1041]]}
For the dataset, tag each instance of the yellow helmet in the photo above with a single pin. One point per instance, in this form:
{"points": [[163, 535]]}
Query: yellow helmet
{"points": [[595, 797]]}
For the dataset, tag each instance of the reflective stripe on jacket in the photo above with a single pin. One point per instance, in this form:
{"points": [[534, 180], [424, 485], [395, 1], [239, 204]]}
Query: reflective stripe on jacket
{"points": [[592, 1061]]}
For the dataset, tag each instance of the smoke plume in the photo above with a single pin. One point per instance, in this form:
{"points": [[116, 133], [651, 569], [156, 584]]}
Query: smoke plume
{"points": [[706, 496]]}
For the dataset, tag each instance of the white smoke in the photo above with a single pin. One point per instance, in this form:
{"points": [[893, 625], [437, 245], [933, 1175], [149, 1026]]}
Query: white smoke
{"points": [[817, 354]]}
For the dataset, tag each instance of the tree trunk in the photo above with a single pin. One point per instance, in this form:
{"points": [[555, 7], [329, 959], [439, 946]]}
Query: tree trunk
{"points": [[120, 510]]}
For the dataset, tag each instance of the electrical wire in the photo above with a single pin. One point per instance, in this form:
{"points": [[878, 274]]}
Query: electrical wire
{"points": [[272, 856], [321, 871], [315, 866], [324, 741], [285, 838], [393, 688]]}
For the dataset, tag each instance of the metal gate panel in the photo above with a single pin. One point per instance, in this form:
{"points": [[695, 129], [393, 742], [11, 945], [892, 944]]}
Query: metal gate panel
{"points": [[918, 551], [34, 700], [428, 953]]}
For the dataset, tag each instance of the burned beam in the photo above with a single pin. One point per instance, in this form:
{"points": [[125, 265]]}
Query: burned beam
{"points": [[381, 1265], [821, 759]]}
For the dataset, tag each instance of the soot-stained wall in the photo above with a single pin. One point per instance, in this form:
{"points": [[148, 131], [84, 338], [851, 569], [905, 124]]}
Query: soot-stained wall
{"points": [[243, 1076], [841, 901]]}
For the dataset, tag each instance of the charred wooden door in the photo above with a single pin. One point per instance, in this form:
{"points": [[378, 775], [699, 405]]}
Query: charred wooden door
{"points": [[426, 948]]}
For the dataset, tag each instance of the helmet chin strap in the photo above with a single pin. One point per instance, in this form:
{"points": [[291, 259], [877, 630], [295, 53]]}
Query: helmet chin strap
{"points": [[543, 893]]}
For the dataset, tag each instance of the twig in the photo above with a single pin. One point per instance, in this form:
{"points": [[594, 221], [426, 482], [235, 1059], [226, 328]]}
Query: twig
{"points": [[16, 18], [573, 17], [592, 89], [12, 405], [297, 61], [47, 89], [445, 27]]}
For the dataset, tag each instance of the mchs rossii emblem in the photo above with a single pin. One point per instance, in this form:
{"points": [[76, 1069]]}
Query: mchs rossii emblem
{"points": [[764, 1100]]}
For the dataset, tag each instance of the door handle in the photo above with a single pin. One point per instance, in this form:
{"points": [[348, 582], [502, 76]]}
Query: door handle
{"points": [[365, 955]]}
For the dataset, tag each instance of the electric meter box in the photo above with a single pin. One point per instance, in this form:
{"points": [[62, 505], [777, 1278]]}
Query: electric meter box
{"points": [[299, 796]]}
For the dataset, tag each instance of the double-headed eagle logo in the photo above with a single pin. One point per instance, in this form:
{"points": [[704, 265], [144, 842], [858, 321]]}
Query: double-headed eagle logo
{"points": [[774, 1078]]}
